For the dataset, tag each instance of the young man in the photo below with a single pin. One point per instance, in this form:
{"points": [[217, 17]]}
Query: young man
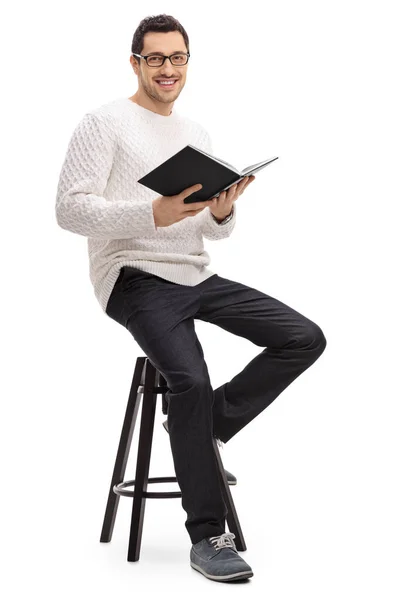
{"points": [[150, 273]]}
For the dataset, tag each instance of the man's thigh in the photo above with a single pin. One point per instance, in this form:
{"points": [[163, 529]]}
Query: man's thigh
{"points": [[159, 315], [254, 315]]}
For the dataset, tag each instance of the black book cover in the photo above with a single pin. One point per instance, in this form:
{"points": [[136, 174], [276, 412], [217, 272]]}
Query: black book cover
{"points": [[191, 166]]}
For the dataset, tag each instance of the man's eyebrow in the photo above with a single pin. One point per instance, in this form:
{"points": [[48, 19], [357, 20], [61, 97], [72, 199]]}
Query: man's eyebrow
{"points": [[174, 52]]}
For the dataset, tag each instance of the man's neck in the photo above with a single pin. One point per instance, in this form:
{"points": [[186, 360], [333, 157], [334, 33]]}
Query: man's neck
{"points": [[162, 109]]}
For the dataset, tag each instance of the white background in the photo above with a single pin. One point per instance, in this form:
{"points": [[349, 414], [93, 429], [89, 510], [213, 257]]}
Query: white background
{"points": [[314, 83]]}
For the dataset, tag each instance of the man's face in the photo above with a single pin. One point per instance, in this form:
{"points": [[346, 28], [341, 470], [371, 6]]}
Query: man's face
{"points": [[166, 44]]}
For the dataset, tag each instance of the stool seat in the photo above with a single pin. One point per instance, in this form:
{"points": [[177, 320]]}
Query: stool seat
{"points": [[147, 384]]}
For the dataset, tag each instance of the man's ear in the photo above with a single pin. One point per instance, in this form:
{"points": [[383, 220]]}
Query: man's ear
{"points": [[134, 62]]}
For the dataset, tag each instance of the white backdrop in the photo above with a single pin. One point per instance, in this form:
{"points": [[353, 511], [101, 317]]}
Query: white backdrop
{"points": [[314, 83]]}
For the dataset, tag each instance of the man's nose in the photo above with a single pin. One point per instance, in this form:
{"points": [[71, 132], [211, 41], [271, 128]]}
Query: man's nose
{"points": [[168, 66]]}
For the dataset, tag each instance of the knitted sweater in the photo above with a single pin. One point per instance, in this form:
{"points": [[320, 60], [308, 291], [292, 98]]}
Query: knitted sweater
{"points": [[98, 196]]}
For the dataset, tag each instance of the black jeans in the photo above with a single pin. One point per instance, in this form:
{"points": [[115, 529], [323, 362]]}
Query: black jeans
{"points": [[160, 316]]}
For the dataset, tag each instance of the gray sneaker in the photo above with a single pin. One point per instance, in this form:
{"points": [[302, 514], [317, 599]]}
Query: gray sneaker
{"points": [[231, 479], [217, 558]]}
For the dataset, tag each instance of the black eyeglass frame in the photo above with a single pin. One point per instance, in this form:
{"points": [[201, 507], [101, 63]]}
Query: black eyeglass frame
{"points": [[164, 59]]}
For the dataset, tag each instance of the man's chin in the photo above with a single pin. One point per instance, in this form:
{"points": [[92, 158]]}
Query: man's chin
{"points": [[167, 98]]}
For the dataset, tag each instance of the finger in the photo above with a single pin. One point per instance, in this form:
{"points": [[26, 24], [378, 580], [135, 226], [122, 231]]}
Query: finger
{"points": [[241, 185], [221, 197], [232, 190], [249, 180], [226, 199], [246, 184], [190, 190]]}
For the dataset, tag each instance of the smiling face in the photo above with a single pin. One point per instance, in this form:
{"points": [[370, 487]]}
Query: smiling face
{"points": [[152, 94]]}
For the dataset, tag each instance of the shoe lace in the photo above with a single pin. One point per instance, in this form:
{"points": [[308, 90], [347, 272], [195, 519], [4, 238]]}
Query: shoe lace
{"points": [[223, 541]]}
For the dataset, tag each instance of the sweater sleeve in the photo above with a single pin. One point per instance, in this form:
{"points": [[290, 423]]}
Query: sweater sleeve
{"points": [[81, 206], [210, 228]]}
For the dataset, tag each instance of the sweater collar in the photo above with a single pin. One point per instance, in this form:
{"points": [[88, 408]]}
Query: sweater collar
{"points": [[150, 115]]}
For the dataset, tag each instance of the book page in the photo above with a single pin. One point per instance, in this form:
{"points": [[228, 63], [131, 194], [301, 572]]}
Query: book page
{"points": [[222, 162], [257, 166]]}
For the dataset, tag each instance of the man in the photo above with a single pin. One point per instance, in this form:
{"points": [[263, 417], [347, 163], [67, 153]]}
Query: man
{"points": [[150, 274]]}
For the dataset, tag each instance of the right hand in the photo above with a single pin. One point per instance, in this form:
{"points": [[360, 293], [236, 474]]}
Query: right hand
{"points": [[171, 209]]}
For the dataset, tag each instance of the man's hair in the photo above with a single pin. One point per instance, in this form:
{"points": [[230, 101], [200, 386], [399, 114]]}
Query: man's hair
{"points": [[162, 23]]}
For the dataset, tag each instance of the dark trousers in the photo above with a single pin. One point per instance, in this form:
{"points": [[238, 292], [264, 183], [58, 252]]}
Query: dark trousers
{"points": [[160, 316]]}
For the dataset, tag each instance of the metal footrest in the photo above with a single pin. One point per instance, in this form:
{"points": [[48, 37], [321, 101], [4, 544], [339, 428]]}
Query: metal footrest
{"points": [[156, 389], [119, 488]]}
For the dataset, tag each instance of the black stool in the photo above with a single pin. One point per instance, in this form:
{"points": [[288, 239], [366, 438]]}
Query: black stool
{"points": [[149, 382]]}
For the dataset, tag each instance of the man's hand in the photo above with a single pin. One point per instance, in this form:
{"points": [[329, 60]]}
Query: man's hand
{"points": [[168, 210], [221, 206]]}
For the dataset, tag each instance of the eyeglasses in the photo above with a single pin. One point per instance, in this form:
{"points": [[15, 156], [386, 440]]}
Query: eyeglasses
{"points": [[156, 60]]}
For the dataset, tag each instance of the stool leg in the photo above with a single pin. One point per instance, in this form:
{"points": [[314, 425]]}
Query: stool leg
{"points": [[232, 517], [143, 462], [123, 452]]}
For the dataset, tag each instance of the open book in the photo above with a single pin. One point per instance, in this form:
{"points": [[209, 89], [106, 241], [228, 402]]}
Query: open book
{"points": [[192, 165]]}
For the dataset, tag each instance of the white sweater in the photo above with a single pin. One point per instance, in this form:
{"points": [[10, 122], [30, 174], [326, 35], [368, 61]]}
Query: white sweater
{"points": [[98, 196]]}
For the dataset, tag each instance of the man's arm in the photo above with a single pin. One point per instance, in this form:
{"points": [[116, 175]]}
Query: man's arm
{"points": [[80, 204]]}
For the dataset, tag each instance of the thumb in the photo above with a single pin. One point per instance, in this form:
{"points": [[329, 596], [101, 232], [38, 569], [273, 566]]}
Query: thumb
{"points": [[191, 190]]}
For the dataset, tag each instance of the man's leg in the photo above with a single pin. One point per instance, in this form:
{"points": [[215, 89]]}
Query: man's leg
{"points": [[159, 315], [291, 341]]}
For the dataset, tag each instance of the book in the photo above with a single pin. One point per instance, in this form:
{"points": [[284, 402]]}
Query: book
{"points": [[192, 165]]}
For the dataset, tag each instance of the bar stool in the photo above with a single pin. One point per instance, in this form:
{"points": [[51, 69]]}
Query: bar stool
{"points": [[149, 382]]}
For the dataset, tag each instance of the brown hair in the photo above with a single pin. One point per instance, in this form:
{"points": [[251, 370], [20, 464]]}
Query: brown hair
{"points": [[162, 23]]}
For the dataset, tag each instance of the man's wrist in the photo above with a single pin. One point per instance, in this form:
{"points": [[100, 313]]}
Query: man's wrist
{"points": [[224, 220]]}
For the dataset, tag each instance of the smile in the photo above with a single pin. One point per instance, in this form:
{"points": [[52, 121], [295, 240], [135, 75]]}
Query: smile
{"points": [[166, 83]]}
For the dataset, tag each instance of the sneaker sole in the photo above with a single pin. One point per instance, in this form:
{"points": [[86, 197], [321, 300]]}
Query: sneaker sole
{"points": [[232, 577]]}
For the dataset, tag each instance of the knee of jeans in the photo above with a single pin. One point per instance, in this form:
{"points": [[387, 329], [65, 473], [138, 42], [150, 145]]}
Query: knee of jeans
{"points": [[191, 382], [314, 338], [310, 338]]}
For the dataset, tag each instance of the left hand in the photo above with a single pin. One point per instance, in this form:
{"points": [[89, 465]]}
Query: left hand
{"points": [[221, 206]]}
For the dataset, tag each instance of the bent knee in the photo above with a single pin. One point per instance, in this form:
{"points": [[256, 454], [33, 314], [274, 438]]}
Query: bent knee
{"points": [[190, 382], [313, 338]]}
